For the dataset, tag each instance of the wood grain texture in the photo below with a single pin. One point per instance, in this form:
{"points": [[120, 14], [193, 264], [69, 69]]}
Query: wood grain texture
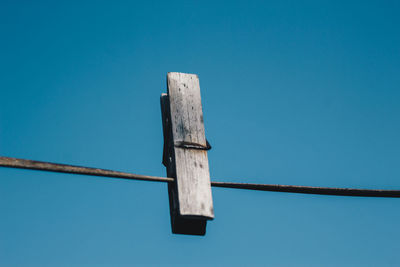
{"points": [[191, 165], [179, 224]]}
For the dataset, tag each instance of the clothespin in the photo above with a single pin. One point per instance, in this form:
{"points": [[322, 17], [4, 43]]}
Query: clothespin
{"points": [[185, 155]]}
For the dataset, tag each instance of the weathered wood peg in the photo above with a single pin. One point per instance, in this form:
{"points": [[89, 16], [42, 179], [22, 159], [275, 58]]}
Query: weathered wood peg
{"points": [[185, 155]]}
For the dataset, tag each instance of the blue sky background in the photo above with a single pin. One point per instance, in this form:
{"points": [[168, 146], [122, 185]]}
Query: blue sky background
{"points": [[294, 92]]}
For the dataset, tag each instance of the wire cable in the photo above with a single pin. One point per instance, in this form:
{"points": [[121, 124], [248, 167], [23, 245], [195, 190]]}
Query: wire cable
{"points": [[353, 192], [64, 168]]}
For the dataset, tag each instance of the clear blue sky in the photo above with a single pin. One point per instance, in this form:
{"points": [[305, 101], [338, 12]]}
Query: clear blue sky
{"points": [[294, 92]]}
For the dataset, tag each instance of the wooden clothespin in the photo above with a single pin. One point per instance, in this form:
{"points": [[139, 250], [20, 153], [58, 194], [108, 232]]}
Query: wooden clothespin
{"points": [[185, 155]]}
